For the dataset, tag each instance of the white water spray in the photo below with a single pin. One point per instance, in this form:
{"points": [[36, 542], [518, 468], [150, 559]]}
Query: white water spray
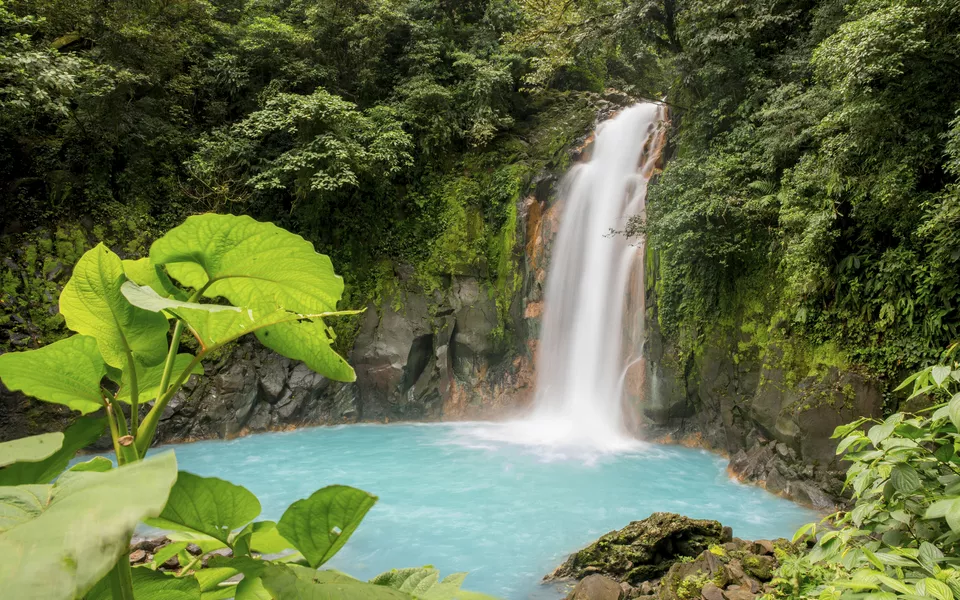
{"points": [[583, 353]]}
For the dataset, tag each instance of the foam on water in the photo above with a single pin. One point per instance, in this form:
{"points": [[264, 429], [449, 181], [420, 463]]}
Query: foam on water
{"points": [[454, 496]]}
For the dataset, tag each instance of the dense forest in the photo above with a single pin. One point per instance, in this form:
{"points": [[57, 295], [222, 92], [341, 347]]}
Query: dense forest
{"points": [[807, 212], [814, 163]]}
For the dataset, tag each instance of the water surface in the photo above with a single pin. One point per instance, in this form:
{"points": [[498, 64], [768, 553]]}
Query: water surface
{"points": [[508, 514]]}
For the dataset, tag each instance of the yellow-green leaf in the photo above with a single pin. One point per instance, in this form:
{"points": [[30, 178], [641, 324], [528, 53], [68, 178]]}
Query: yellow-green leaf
{"points": [[92, 304], [144, 272], [320, 525], [30, 449], [247, 262], [148, 378], [207, 505], [80, 434], [66, 372], [84, 526]]}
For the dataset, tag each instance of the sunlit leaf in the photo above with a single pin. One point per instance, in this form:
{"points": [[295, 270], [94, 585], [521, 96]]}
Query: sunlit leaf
{"points": [[937, 589], [953, 411], [292, 583], [940, 374], [320, 525], [92, 304], [207, 505], [77, 363], [143, 272], [246, 262], [260, 267], [152, 585], [30, 449]]}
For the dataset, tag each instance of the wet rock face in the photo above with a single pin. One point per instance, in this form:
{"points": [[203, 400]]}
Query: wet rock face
{"points": [[671, 557], [415, 351], [777, 430], [418, 357], [251, 390], [643, 550]]}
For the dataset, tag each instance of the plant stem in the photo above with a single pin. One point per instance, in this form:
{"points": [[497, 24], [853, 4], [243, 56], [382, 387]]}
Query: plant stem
{"points": [[121, 579], [121, 419], [171, 358], [123, 442], [148, 428], [134, 395], [153, 416], [114, 434]]}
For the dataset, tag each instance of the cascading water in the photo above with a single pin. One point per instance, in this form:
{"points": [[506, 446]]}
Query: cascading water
{"points": [[581, 364], [588, 345]]}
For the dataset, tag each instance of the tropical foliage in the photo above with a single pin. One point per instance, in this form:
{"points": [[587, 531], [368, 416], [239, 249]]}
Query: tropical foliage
{"points": [[813, 165], [215, 278], [900, 538], [386, 132]]}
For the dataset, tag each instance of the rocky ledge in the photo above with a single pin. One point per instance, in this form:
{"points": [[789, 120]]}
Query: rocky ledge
{"points": [[671, 557]]}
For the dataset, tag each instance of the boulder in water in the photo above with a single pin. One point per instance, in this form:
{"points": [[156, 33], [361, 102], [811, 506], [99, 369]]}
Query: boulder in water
{"points": [[643, 550]]}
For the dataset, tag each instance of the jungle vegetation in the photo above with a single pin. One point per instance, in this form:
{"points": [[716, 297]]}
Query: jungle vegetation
{"points": [[811, 184]]}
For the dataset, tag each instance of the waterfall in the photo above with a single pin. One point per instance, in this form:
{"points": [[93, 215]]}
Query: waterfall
{"points": [[591, 334], [583, 360]]}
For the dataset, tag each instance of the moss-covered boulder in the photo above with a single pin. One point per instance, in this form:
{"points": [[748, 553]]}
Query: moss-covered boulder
{"points": [[643, 550], [737, 570]]}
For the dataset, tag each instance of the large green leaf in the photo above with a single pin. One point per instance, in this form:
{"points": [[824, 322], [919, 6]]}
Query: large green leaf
{"points": [[84, 527], [148, 378], [81, 434], [151, 585], [144, 272], [308, 341], [295, 335], [30, 449], [247, 262], [320, 525], [207, 505], [289, 582], [215, 327], [67, 372], [261, 537], [211, 577], [251, 588], [266, 539], [92, 304]]}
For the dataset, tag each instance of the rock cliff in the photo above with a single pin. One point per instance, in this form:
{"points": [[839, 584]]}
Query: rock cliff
{"points": [[739, 395]]}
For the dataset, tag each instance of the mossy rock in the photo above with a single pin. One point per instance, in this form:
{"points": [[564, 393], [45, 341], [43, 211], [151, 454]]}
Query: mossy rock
{"points": [[685, 580], [759, 567], [643, 550]]}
